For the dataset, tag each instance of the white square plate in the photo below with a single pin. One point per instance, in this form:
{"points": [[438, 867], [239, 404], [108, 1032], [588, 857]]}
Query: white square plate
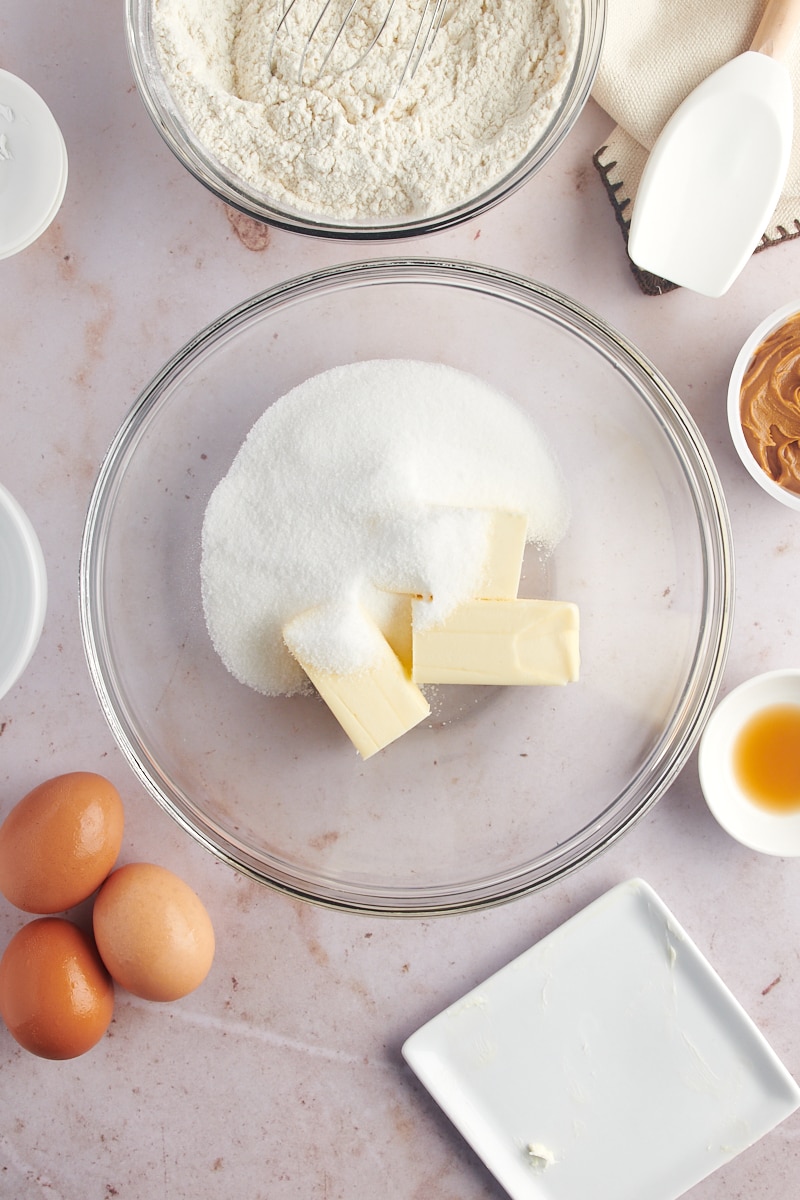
{"points": [[608, 1061]]}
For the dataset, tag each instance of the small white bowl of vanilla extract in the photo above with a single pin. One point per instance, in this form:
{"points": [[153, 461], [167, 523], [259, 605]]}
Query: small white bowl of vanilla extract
{"points": [[749, 763]]}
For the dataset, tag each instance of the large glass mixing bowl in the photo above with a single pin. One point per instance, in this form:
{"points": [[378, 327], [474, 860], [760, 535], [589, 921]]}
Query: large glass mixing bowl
{"points": [[506, 789]]}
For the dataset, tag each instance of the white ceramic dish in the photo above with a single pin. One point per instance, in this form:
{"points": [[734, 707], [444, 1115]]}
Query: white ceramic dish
{"points": [[762, 331], [33, 165], [23, 591], [756, 827], [613, 1049]]}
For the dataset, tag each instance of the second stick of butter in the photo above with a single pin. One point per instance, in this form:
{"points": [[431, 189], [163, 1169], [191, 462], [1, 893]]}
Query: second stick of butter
{"points": [[500, 642]]}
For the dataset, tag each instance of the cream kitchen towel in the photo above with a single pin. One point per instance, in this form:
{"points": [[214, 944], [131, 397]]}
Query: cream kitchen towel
{"points": [[655, 52]]}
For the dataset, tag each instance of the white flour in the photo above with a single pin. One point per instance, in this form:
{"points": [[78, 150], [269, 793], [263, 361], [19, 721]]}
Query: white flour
{"points": [[352, 146], [367, 480]]}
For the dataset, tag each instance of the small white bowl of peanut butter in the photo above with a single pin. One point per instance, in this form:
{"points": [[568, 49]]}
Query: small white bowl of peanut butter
{"points": [[749, 763], [764, 405]]}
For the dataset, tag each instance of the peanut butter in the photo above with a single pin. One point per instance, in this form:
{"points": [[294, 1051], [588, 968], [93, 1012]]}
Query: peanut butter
{"points": [[770, 405]]}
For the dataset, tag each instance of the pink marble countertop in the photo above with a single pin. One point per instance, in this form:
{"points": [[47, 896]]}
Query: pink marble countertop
{"points": [[281, 1077]]}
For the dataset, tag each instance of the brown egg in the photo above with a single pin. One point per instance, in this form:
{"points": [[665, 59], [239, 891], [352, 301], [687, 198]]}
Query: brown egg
{"points": [[55, 994], [60, 842], [153, 932]]}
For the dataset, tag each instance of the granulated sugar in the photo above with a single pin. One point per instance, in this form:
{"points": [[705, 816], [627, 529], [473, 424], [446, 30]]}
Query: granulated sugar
{"points": [[368, 480], [351, 146]]}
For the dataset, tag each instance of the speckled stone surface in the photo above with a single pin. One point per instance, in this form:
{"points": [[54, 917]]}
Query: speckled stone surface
{"points": [[281, 1078]]}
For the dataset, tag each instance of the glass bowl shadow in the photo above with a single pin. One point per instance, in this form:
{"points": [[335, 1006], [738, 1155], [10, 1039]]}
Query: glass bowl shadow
{"points": [[504, 790]]}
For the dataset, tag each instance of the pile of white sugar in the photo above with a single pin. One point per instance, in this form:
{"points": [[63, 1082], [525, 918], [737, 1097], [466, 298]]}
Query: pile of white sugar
{"points": [[366, 481], [351, 145]]}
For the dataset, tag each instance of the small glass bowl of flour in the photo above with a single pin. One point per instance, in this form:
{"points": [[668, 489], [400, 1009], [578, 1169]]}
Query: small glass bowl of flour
{"points": [[361, 151]]}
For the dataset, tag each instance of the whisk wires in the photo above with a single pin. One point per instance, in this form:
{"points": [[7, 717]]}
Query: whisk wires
{"points": [[324, 23]]}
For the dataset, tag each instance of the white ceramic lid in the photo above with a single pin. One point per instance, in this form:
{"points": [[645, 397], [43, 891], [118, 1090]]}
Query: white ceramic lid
{"points": [[33, 165], [23, 591]]}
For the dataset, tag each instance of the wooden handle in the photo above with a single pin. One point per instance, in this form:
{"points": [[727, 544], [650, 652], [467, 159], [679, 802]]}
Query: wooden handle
{"points": [[776, 32]]}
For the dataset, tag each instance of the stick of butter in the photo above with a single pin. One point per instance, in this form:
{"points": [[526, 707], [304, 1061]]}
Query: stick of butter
{"points": [[503, 565], [395, 625], [374, 706], [500, 577], [499, 642]]}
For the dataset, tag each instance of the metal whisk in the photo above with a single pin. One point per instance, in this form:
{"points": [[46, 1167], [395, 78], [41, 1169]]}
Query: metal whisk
{"points": [[321, 28]]}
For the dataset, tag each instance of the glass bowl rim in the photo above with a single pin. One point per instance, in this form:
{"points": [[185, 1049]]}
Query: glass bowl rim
{"points": [[709, 657], [226, 187]]}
